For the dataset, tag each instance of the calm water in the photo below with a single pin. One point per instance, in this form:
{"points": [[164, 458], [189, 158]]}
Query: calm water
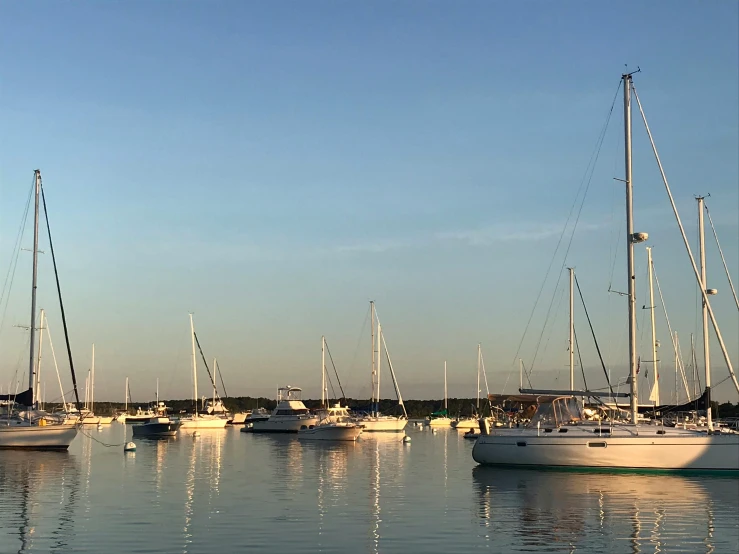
{"points": [[227, 491]]}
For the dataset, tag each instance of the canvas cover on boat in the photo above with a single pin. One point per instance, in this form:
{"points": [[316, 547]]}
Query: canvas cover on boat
{"points": [[24, 398]]}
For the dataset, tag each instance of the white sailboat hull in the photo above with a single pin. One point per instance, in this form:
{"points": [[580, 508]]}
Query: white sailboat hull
{"points": [[383, 424], [466, 424], [673, 450], [37, 437], [331, 432], [203, 423], [439, 422]]}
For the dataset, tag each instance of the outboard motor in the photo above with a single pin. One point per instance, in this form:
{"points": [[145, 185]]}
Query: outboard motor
{"points": [[484, 426]]}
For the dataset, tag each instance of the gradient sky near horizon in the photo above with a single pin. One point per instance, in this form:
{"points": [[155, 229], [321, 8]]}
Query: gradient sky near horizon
{"points": [[273, 166]]}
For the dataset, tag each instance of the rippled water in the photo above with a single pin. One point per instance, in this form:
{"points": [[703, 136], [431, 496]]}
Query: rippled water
{"points": [[227, 491]]}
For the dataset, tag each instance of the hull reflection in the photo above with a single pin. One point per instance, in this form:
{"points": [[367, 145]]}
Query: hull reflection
{"points": [[649, 512]]}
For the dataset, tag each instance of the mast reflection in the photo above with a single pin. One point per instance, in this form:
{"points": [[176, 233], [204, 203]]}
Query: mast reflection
{"points": [[650, 513], [40, 492]]}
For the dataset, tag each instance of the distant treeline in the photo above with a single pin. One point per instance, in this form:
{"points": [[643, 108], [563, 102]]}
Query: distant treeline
{"points": [[415, 408]]}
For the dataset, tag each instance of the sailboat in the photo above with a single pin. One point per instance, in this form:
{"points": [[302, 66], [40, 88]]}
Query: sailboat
{"points": [[472, 423], [199, 421], [88, 414], [557, 435], [441, 418], [31, 428], [375, 421], [335, 422]]}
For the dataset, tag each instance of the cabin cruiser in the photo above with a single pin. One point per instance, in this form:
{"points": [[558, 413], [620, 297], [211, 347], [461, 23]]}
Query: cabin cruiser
{"points": [[289, 415], [157, 427], [335, 424], [258, 414]]}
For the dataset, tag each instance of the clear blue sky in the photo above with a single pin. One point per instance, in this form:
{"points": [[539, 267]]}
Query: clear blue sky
{"points": [[272, 166]]}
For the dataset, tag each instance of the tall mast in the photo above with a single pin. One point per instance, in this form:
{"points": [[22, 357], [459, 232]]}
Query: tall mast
{"points": [[445, 403], [194, 368], [323, 372], [654, 396], [379, 360], [126, 396], [92, 380], [630, 249], [42, 316], [478, 377], [31, 377], [572, 327], [215, 377], [372, 340], [706, 341]]}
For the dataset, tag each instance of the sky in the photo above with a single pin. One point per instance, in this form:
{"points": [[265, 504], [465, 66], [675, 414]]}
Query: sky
{"points": [[272, 167]]}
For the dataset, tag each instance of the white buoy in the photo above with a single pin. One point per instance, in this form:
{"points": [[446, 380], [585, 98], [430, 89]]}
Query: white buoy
{"points": [[195, 434], [100, 427], [433, 431], [406, 439], [129, 447]]}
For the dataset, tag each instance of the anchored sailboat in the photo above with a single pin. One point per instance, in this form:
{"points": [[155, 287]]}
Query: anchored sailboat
{"points": [[557, 434], [199, 421], [33, 428], [375, 421]]}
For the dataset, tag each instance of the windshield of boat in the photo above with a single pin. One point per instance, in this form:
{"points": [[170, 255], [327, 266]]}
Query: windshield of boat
{"points": [[560, 411]]}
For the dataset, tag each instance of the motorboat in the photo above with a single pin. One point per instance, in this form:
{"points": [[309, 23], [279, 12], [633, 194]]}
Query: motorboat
{"points": [[335, 424], [157, 427], [289, 416]]}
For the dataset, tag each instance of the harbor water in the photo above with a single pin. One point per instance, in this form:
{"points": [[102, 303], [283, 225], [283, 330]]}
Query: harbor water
{"points": [[226, 491]]}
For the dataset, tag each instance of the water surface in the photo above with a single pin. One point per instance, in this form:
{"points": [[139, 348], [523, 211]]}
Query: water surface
{"points": [[227, 491]]}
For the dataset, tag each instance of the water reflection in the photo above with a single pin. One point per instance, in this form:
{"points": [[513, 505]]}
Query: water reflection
{"points": [[650, 513], [204, 464], [39, 492]]}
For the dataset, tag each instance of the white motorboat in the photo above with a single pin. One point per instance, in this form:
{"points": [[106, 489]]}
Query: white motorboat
{"points": [[32, 429], [335, 424], [556, 436], [289, 416], [375, 421]]}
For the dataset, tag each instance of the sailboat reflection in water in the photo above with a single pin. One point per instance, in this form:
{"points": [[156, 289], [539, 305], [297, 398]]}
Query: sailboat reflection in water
{"points": [[40, 494], [539, 508]]}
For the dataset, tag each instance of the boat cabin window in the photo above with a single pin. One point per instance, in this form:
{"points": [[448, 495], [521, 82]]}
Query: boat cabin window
{"points": [[292, 412], [560, 411]]}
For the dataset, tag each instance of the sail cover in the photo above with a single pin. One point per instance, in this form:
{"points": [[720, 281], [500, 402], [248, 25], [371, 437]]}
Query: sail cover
{"points": [[24, 398]]}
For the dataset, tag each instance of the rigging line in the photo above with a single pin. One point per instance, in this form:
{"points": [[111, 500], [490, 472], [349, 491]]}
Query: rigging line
{"points": [[61, 302], [592, 331], [726, 268], [582, 367], [361, 338], [212, 382], [696, 273], [220, 374], [554, 318], [586, 181], [10, 274], [669, 328], [330, 357]]}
